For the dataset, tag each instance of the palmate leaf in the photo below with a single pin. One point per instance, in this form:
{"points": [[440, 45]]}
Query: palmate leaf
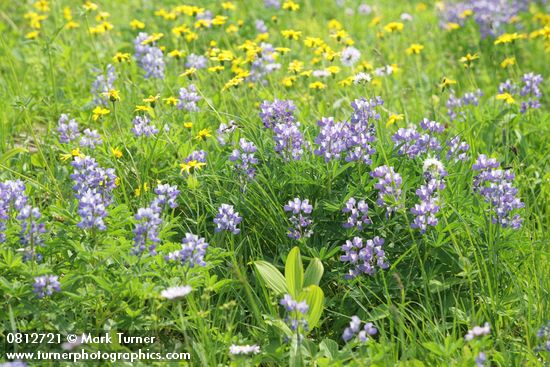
{"points": [[272, 277], [294, 272]]}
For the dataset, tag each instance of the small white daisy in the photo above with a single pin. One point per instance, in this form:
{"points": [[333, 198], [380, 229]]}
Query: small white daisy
{"points": [[176, 292]]}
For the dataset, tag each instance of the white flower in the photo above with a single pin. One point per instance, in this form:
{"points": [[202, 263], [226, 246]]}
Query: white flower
{"points": [[432, 164], [350, 56], [244, 349], [176, 292], [321, 73], [406, 17], [361, 78]]}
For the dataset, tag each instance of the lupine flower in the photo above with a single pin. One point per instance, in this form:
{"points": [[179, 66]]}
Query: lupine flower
{"points": [[425, 212], [146, 231], [93, 186], [457, 149], [364, 256], [227, 219], [297, 312], [244, 160], [143, 126], [361, 132], [224, 130], [289, 141], [350, 56], [260, 26], [300, 218], [544, 334], [531, 91], [196, 61], [272, 4], [354, 328], [455, 105], [67, 129], [31, 229], [12, 196], [176, 292], [46, 285], [495, 185], [166, 194], [90, 138], [278, 111], [149, 56], [412, 143], [481, 359], [192, 251], [188, 98], [263, 64], [197, 156], [389, 188], [358, 214], [103, 83], [332, 139], [243, 349], [478, 331]]}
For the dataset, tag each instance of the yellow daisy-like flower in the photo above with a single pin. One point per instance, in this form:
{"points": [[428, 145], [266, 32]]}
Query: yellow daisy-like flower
{"points": [[232, 28], [189, 72], [219, 20], [116, 152], [375, 21], [121, 57], [204, 134], [191, 166], [509, 38], [394, 27], [42, 5], [282, 50], [346, 82], [176, 54], [466, 13], [393, 118], [32, 35], [89, 6], [73, 153], [228, 5], [170, 101], [451, 26], [151, 99], [333, 70], [288, 81], [295, 66], [414, 49], [141, 108], [421, 7], [317, 85], [509, 61], [291, 34], [290, 5], [113, 95], [152, 38], [468, 60], [506, 97], [188, 125], [99, 112], [216, 69], [445, 82]]}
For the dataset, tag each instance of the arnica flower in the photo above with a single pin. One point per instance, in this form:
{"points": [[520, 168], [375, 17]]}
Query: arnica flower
{"points": [[457, 149], [358, 214], [478, 331], [300, 218], [495, 185], [350, 56], [193, 250], [389, 188], [12, 196], [224, 131], [67, 129], [93, 187], [149, 56], [46, 285], [354, 329], [364, 256], [227, 219], [297, 311], [143, 126], [413, 143], [90, 139], [176, 292], [244, 160], [456, 105], [102, 84], [241, 350], [188, 98]]}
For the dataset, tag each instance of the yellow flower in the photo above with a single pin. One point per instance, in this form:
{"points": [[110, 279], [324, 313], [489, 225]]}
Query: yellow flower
{"points": [[101, 16], [445, 82], [151, 99], [191, 166], [346, 82], [375, 21], [288, 81], [290, 5], [191, 36], [228, 5], [393, 118], [32, 35], [73, 153], [232, 28], [295, 66], [179, 30], [509, 61], [451, 26], [306, 73], [215, 69], [236, 81], [42, 5], [219, 20], [466, 13], [313, 42], [291, 34], [506, 97], [421, 7], [171, 101], [468, 60], [509, 38], [121, 57], [189, 72], [152, 38], [333, 24], [394, 27], [365, 65], [333, 70], [89, 6], [282, 50], [202, 23], [414, 49], [203, 134], [113, 95], [99, 112], [317, 85], [141, 108], [176, 54], [72, 25], [117, 153], [188, 125]]}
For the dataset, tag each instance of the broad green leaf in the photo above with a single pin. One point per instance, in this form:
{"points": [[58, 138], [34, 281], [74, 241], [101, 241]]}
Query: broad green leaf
{"points": [[38, 161], [329, 348], [272, 277], [314, 272], [315, 298], [294, 272]]}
